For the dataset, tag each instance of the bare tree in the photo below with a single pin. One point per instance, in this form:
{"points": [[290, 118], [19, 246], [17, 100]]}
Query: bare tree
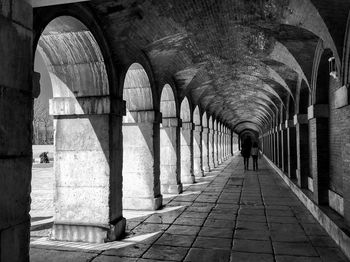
{"points": [[41, 118]]}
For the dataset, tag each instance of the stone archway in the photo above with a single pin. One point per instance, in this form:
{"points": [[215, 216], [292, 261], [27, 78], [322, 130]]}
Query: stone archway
{"points": [[170, 176], [205, 143], [197, 144], [318, 116], [141, 186], [186, 143], [87, 201]]}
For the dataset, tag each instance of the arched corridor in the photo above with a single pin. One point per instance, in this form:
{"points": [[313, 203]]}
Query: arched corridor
{"points": [[153, 106]]}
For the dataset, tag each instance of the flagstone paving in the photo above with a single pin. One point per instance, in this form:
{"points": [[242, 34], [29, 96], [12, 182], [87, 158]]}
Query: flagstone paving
{"points": [[229, 215]]}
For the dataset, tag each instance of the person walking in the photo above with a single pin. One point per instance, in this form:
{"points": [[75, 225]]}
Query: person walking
{"points": [[255, 154], [245, 152]]}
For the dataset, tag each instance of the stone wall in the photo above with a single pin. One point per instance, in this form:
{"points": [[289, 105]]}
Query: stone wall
{"points": [[15, 128]]}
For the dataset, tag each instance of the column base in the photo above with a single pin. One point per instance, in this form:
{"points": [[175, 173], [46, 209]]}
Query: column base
{"points": [[211, 166], [298, 176], [190, 179], [91, 233], [171, 189], [142, 203], [206, 168], [199, 173]]}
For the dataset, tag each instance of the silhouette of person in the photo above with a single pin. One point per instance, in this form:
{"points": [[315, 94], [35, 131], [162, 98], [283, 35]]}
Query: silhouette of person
{"points": [[246, 147], [255, 153]]}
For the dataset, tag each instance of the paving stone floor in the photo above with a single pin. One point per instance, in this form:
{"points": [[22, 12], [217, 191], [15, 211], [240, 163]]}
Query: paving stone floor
{"points": [[229, 215]]}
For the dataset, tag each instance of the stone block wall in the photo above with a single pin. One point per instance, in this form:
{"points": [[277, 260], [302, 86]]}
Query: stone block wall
{"points": [[15, 128]]}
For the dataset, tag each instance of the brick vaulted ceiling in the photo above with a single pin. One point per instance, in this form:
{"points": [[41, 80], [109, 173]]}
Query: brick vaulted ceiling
{"points": [[237, 59]]}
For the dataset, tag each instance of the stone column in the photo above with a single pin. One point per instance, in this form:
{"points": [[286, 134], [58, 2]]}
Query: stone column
{"points": [[197, 151], [284, 148], [141, 173], [216, 162], [187, 176], [170, 171], [273, 146], [205, 149], [302, 142], [280, 147], [346, 181], [16, 105], [87, 167], [291, 149], [266, 147], [318, 124], [211, 149], [230, 143], [219, 145], [269, 145], [275, 136], [226, 144]]}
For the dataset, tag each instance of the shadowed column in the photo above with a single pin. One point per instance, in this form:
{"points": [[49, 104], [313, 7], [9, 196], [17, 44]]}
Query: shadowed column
{"points": [[187, 176], [197, 151], [169, 156], [87, 167], [211, 148], [302, 142], [318, 124], [216, 163], [284, 147], [205, 149], [141, 178], [292, 149]]}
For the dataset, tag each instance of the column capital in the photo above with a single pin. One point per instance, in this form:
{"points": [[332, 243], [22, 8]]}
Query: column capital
{"points": [[281, 127], [188, 125], [92, 105], [197, 128], [171, 122], [318, 111], [144, 116], [300, 119], [289, 123]]}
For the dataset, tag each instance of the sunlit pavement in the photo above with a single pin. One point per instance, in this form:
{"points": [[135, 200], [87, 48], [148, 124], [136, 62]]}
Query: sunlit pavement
{"points": [[229, 215]]}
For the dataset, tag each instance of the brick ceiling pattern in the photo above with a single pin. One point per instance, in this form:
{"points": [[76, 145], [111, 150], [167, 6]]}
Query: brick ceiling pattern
{"points": [[238, 59]]}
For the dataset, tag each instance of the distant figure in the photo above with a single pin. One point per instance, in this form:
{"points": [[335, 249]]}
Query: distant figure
{"points": [[245, 152], [44, 157], [255, 153]]}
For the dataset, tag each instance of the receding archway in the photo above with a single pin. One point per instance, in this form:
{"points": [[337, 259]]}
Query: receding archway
{"points": [[170, 172], [141, 186]]}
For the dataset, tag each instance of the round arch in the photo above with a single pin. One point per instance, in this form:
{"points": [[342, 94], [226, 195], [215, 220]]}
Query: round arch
{"points": [[185, 110], [137, 92], [168, 106], [205, 120], [73, 50], [73, 58], [78, 23], [197, 116]]}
